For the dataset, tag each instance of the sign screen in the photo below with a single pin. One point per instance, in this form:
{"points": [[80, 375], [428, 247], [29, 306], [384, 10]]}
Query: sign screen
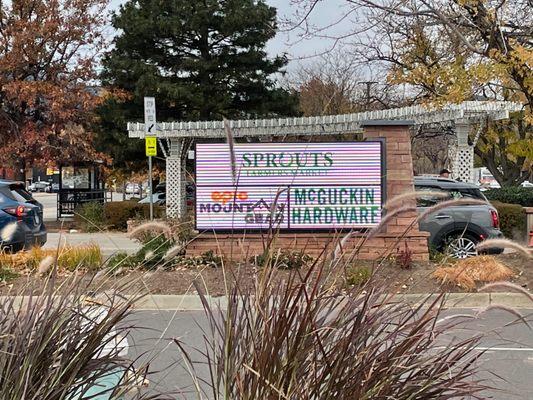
{"points": [[296, 186]]}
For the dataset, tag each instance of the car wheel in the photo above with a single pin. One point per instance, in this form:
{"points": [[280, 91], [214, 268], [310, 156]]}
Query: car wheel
{"points": [[461, 246]]}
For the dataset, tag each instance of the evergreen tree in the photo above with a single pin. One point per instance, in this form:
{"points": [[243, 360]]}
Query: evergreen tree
{"points": [[200, 59]]}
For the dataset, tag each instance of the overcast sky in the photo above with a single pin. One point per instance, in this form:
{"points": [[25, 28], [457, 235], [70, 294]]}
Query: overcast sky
{"points": [[326, 13]]}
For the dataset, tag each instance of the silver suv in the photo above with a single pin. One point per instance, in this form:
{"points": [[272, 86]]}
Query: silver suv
{"points": [[456, 230]]}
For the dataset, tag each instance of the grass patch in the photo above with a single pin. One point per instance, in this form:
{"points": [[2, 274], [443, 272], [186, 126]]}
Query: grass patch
{"points": [[282, 259], [87, 257], [7, 274], [358, 275]]}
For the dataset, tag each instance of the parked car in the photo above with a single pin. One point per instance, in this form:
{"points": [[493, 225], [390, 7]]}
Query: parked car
{"points": [[190, 191], [133, 188], [159, 199], [39, 186], [456, 230], [160, 187], [20, 210]]}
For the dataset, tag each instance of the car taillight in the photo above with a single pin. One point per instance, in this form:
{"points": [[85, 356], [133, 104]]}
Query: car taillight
{"points": [[19, 211], [495, 218]]}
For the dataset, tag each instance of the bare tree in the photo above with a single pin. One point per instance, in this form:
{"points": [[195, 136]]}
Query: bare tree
{"points": [[451, 51], [335, 84]]}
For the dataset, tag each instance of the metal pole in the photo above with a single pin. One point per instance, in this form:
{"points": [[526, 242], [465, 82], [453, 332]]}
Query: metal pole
{"points": [[151, 188]]}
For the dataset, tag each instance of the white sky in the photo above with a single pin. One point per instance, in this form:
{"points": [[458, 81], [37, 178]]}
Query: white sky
{"points": [[290, 42]]}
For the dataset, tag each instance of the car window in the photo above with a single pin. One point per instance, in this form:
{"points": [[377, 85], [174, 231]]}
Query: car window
{"points": [[20, 194], [428, 200], [455, 194]]}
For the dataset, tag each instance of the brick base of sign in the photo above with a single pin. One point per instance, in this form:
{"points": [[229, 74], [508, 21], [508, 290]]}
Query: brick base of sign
{"points": [[243, 247]]}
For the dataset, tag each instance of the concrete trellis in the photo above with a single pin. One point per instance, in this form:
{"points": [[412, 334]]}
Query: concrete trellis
{"points": [[463, 115]]}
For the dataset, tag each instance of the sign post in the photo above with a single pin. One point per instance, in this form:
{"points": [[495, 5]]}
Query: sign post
{"points": [[151, 143]]}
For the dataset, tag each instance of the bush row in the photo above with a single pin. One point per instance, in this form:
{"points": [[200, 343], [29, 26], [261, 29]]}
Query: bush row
{"points": [[92, 217], [512, 195], [512, 220]]}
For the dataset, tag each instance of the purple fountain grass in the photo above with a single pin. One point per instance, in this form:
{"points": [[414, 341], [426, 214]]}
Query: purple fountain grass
{"points": [[339, 249], [301, 340], [505, 308], [506, 244], [231, 144], [390, 215]]}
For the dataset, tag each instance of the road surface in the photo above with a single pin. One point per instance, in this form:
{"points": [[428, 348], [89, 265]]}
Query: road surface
{"points": [[109, 242], [509, 350]]}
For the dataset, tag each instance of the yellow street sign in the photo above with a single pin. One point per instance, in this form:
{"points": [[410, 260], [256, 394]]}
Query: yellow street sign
{"points": [[151, 145]]}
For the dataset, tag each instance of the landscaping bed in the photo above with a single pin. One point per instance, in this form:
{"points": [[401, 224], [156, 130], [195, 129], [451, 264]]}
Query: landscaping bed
{"points": [[418, 278]]}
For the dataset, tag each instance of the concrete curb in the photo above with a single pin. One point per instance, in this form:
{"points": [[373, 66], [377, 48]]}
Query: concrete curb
{"points": [[452, 300]]}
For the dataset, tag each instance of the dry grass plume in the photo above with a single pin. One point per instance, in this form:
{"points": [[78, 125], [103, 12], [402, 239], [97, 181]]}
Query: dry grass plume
{"points": [[468, 272]]}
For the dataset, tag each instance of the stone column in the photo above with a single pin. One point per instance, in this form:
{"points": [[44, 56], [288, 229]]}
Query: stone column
{"points": [[175, 181], [463, 163]]}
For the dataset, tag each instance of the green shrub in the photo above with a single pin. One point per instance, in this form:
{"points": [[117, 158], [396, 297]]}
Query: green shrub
{"points": [[512, 195], [7, 274], [283, 259], [120, 260], [152, 253], [207, 259], [358, 275], [118, 213], [512, 220], [149, 256], [89, 217]]}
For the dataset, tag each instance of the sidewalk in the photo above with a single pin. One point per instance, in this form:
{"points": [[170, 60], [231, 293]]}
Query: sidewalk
{"points": [[109, 242]]}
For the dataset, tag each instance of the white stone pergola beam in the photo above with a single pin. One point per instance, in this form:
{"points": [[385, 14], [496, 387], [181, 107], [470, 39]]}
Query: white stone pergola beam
{"points": [[330, 124]]}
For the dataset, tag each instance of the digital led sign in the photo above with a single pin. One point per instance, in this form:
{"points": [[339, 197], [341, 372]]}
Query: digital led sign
{"points": [[289, 186]]}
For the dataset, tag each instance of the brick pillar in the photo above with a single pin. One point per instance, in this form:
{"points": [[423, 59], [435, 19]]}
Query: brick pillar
{"points": [[398, 176]]}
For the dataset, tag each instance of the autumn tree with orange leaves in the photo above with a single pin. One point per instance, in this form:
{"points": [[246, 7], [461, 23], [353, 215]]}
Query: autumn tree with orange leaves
{"points": [[48, 53]]}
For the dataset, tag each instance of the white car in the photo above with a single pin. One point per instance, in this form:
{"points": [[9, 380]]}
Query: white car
{"points": [[159, 199], [527, 184], [39, 186], [133, 188]]}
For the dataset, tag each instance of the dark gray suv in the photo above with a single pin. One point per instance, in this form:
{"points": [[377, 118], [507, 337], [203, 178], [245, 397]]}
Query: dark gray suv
{"points": [[456, 230]]}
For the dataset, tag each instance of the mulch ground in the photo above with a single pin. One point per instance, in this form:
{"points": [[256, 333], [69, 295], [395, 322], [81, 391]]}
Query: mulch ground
{"points": [[416, 279]]}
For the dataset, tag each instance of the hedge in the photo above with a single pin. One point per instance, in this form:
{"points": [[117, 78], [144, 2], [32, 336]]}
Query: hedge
{"points": [[512, 220], [118, 213], [512, 195], [89, 217]]}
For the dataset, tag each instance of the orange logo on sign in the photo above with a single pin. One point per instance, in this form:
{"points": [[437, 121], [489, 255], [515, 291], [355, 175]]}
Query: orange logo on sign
{"points": [[224, 197]]}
